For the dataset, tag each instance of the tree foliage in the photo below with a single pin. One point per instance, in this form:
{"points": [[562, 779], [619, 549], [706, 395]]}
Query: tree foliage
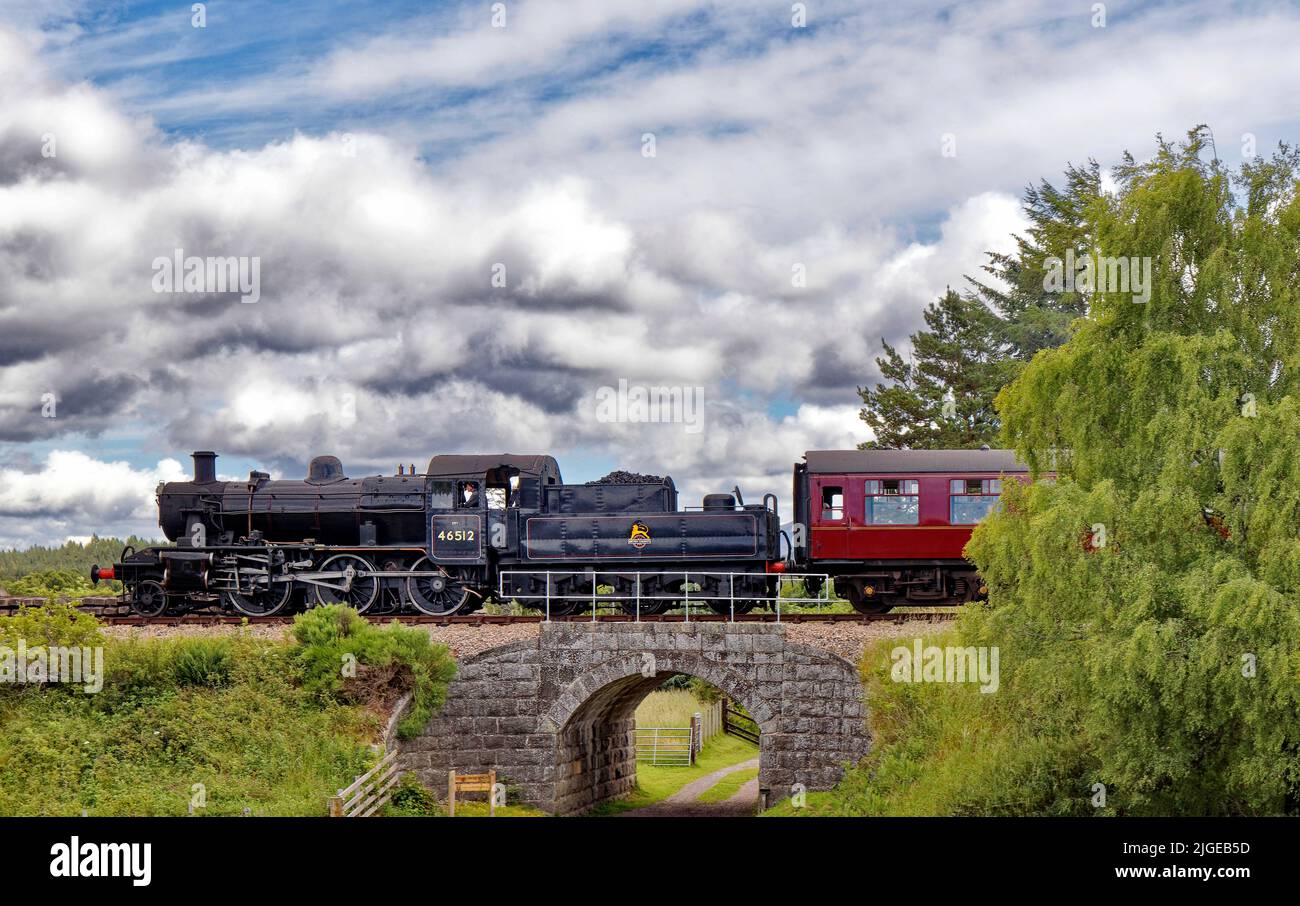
{"points": [[1147, 601], [975, 342], [957, 365], [71, 557]]}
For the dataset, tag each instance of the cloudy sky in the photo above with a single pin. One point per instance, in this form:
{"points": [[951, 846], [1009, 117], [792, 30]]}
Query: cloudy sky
{"points": [[469, 219]]}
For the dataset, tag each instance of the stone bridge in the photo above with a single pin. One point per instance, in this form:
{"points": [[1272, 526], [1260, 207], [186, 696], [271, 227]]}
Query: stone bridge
{"points": [[554, 715]]}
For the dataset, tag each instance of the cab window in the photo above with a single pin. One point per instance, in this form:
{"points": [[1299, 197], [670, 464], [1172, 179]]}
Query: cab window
{"points": [[442, 495], [468, 495], [892, 501], [971, 499]]}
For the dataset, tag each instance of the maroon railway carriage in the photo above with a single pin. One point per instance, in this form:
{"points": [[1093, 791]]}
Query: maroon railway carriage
{"points": [[889, 525]]}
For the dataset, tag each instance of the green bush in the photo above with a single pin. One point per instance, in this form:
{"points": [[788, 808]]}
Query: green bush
{"points": [[60, 583], [50, 625], [412, 799], [203, 662], [333, 640], [139, 668]]}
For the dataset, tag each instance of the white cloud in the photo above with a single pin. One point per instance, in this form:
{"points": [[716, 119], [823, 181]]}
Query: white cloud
{"points": [[380, 337], [74, 494]]}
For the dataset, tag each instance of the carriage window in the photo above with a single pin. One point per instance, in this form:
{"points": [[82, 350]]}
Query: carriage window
{"points": [[832, 503], [893, 501], [971, 499]]}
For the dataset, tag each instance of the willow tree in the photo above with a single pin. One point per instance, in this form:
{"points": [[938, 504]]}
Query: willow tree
{"points": [[1147, 600]]}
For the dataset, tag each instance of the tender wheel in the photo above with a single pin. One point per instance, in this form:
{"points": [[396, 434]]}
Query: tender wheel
{"points": [[649, 606], [744, 591], [262, 602], [362, 591], [149, 599], [438, 595], [743, 605]]}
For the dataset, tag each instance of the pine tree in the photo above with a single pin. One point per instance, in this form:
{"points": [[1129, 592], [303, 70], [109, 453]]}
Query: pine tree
{"points": [[944, 396], [977, 341]]}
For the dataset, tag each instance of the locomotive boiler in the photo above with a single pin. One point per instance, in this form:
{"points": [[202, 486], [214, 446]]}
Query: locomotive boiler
{"points": [[444, 541]]}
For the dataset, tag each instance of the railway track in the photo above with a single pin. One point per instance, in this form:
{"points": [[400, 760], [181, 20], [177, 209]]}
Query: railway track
{"points": [[113, 613]]}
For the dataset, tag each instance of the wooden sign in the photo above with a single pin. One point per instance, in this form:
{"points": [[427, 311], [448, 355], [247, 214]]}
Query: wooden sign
{"points": [[471, 783]]}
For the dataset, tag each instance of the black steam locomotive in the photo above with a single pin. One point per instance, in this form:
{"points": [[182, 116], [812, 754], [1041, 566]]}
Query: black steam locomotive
{"points": [[467, 529]]}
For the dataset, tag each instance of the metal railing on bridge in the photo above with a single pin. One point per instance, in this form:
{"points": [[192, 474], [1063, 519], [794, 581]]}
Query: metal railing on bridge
{"points": [[630, 591]]}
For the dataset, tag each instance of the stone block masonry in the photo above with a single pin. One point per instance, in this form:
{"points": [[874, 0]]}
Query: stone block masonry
{"points": [[554, 715]]}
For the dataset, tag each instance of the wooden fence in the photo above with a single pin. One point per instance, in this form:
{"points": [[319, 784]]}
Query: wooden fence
{"points": [[738, 724], [369, 792], [710, 721]]}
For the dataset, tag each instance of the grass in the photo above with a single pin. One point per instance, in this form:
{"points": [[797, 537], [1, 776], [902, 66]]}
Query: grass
{"points": [[656, 783], [253, 740], [218, 725], [728, 786], [939, 749], [668, 708], [480, 810]]}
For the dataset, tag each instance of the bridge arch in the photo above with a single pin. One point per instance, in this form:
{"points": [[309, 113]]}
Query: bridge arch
{"points": [[554, 716]]}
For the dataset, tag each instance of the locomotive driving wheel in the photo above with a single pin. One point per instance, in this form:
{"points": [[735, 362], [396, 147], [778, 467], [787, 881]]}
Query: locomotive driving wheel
{"points": [[259, 602], [359, 593], [439, 593], [149, 599]]}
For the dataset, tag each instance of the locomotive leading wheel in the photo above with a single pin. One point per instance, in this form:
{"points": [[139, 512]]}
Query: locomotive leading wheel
{"points": [[260, 603], [149, 599], [437, 595], [359, 594]]}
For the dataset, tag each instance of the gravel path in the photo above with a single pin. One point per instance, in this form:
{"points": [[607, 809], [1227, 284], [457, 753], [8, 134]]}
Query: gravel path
{"points": [[685, 802]]}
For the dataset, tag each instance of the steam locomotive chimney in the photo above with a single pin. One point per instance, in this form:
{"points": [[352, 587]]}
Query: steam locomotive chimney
{"points": [[205, 466]]}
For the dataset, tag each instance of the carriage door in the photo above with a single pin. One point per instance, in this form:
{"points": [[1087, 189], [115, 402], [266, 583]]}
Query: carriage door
{"points": [[830, 529]]}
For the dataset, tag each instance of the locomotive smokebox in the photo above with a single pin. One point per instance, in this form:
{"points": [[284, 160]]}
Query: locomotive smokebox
{"points": [[205, 466]]}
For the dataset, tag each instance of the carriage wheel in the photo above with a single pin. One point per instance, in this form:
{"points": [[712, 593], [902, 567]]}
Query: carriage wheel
{"points": [[363, 590], [149, 599], [262, 602], [438, 595], [863, 603]]}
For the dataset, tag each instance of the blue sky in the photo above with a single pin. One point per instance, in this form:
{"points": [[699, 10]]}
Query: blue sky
{"points": [[381, 162]]}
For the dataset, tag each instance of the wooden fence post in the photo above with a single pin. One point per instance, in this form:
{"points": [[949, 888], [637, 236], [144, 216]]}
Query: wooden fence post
{"points": [[451, 792]]}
